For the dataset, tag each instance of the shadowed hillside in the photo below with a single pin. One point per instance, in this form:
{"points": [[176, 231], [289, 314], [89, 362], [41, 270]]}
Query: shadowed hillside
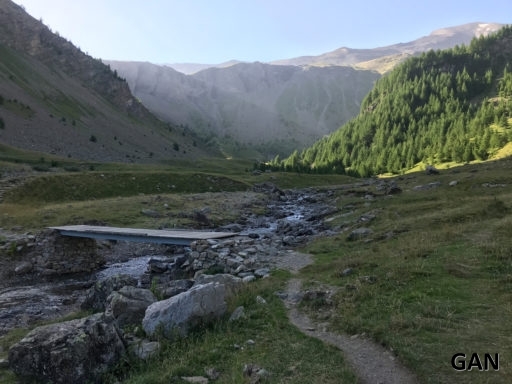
{"points": [[451, 106], [55, 98]]}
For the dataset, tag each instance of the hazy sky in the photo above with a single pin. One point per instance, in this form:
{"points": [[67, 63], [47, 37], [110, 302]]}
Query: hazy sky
{"points": [[215, 31]]}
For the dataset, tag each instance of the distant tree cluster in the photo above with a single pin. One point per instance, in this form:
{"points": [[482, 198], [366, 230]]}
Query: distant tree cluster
{"points": [[450, 105]]}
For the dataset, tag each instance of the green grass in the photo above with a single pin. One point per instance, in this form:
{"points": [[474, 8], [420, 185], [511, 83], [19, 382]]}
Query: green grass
{"points": [[435, 279], [288, 355], [97, 185]]}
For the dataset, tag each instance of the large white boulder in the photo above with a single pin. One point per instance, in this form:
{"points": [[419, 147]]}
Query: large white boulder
{"points": [[176, 315]]}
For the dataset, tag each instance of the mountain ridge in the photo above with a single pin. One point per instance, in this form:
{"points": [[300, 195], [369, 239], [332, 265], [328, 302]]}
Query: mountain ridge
{"points": [[277, 107], [266, 107], [438, 39], [57, 99], [446, 107]]}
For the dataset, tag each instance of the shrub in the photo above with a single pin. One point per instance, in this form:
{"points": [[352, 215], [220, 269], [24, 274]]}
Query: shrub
{"points": [[93, 139]]}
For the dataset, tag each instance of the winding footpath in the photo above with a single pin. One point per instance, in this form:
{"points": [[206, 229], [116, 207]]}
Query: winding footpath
{"points": [[372, 363]]}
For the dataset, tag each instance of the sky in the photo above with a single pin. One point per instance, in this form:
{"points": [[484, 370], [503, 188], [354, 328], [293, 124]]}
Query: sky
{"points": [[216, 31]]}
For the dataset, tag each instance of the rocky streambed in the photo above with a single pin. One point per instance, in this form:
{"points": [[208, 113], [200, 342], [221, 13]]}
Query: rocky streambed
{"points": [[263, 242]]}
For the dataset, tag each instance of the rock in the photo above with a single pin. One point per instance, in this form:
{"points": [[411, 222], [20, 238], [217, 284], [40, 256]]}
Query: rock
{"points": [[195, 379], [427, 186], [23, 268], [232, 228], [77, 351], [255, 373], [453, 183], [96, 296], [202, 303], [368, 279], [212, 373], [367, 217], [359, 233], [431, 170], [248, 279], [347, 272], [393, 189], [238, 313], [262, 272], [175, 287], [261, 300], [289, 240], [157, 266], [151, 213], [231, 283], [128, 305], [145, 349]]}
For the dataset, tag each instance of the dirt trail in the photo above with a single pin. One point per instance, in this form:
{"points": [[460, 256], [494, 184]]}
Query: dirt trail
{"points": [[372, 363]]}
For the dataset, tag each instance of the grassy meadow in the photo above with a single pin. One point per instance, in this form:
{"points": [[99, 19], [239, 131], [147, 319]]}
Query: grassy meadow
{"points": [[433, 279]]}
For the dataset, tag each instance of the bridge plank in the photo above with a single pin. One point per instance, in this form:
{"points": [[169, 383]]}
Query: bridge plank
{"points": [[178, 237]]}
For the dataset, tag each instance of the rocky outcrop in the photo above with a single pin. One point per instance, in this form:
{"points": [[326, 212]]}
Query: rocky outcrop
{"points": [[128, 305], [180, 313], [230, 282], [97, 295], [50, 254], [76, 351]]}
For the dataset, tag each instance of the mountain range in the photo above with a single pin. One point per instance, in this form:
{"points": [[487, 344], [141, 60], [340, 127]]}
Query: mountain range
{"points": [[56, 99], [276, 107]]}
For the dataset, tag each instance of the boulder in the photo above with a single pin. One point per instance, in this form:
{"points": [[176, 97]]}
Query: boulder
{"points": [[231, 283], [77, 351], [238, 313], [177, 315], [128, 305], [23, 268], [431, 170], [97, 295], [262, 272], [175, 287]]}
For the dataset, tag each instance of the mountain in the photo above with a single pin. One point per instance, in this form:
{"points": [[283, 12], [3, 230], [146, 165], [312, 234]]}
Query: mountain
{"points": [[450, 106], [267, 107], [54, 98], [379, 59], [277, 107], [191, 68]]}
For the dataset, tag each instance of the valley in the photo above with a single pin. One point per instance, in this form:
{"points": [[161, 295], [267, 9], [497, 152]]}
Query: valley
{"points": [[378, 251], [400, 253]]}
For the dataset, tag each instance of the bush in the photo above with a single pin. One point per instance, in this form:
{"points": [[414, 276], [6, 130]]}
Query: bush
{"points": [[2, 123], [93, 139]]}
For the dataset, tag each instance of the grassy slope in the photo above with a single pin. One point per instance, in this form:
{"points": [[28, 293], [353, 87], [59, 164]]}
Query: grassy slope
{"points": [[439, 263], [440, 272]]}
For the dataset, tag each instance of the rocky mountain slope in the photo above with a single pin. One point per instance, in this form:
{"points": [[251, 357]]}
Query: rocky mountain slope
{"points": [[54, 98], [382, 59], [273, 108], [280, 106]]}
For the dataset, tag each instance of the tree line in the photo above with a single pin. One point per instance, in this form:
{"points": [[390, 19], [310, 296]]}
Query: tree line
{"points": [[442, 106]]}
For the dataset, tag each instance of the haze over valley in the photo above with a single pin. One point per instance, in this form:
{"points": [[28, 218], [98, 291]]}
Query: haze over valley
{"points": [[267, 109]]}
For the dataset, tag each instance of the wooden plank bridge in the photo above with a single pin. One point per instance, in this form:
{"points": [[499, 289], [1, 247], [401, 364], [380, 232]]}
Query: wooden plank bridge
{"points": [[174, 237]]}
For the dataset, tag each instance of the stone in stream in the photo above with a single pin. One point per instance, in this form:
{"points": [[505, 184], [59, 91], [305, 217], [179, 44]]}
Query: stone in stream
{"points": [[128, 305], [96, 296]]}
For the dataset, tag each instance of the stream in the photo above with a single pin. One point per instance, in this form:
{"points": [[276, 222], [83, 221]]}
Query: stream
{"points": [[294, 215]]}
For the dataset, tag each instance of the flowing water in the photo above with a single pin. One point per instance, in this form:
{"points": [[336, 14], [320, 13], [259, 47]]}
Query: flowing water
{"points": [[27, 303]]}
